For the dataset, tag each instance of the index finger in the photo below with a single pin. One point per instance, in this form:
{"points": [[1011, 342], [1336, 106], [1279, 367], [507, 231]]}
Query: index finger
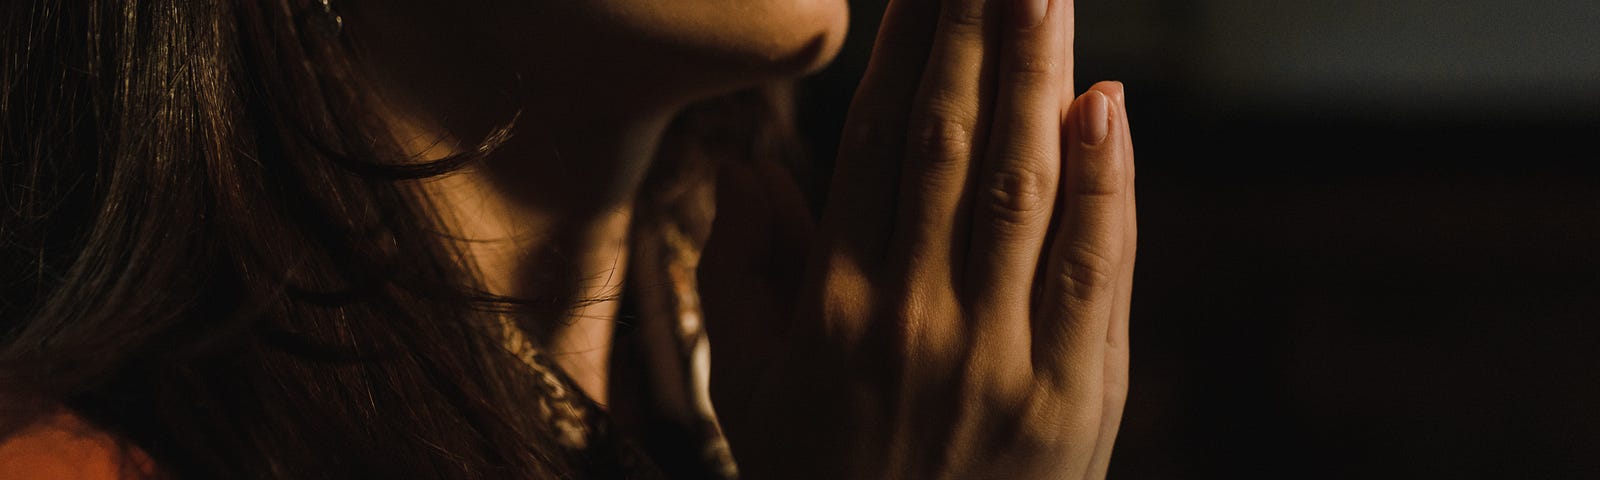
{"points": [[1116, 355], [1086, 261]]}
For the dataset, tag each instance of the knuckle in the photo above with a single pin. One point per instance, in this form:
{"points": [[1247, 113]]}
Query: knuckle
{"points": [[1032, 66], [925, 321], [908, 319], [846, 287], [1099, 177], [1041, 425], [845, 308], [1099, 186], [869, 132], [908, 312], [1037, 437], [1003, 389], [1018, 195], [965, 14], [941, 139], [840, 302], [913, 305], [1085, 271], [1036, 51]]}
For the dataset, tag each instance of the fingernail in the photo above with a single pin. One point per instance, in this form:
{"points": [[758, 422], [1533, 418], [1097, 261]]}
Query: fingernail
{"points": [[1030, 13], [1094, 118]]}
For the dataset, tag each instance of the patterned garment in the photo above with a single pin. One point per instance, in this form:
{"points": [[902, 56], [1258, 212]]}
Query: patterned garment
{"points": [[671, 430], [584, 430], [660, 418]]}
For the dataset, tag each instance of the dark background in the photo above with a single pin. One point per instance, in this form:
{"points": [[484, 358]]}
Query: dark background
{"points": [[1368, 232]]}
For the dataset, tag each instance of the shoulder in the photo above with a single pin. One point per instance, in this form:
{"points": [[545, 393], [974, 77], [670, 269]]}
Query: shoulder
{"points": [[66, 447]]}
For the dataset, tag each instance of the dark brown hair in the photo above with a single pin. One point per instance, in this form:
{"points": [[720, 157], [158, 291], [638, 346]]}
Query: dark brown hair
{"points": [[207, 249]]}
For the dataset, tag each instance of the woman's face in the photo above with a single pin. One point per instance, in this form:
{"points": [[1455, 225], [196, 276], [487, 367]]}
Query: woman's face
{"points": [[691, 48]]}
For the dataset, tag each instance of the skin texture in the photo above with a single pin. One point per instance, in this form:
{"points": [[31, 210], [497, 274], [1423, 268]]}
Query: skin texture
{"points": [[962, 310], [589, 127]]}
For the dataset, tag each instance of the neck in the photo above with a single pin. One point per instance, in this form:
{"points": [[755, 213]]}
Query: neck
{"points": [[547, 219]]}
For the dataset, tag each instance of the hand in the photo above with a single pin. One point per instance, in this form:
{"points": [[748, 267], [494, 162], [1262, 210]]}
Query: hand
{"points": [[963, 309]]}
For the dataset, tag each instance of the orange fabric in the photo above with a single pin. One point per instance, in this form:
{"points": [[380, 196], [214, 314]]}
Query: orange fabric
{"points": [[65, 447]]}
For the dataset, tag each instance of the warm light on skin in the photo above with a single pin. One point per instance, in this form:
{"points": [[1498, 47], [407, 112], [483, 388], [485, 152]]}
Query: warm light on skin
{"points": [[470, 59], [766, 37], [597, 82]]}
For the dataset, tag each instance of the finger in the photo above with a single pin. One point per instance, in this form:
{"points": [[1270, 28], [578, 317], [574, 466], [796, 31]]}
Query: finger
{"points": [[1085, 260], [861, 199], [1018, 180], [1117, 343], [949, 110], [1069, 21]]}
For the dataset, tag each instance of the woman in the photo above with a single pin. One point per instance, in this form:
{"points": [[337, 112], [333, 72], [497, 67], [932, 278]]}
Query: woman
{"points": [[289, 239]]}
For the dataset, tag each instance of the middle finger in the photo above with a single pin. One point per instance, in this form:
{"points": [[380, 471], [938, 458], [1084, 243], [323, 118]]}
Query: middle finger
{"points": [[1017, 188], [949, 111]]}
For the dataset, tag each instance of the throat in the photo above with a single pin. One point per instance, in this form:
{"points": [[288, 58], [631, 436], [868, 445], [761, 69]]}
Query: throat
{"points": [[546, 219], [576, 283], [580, 341], [569, 272]]}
